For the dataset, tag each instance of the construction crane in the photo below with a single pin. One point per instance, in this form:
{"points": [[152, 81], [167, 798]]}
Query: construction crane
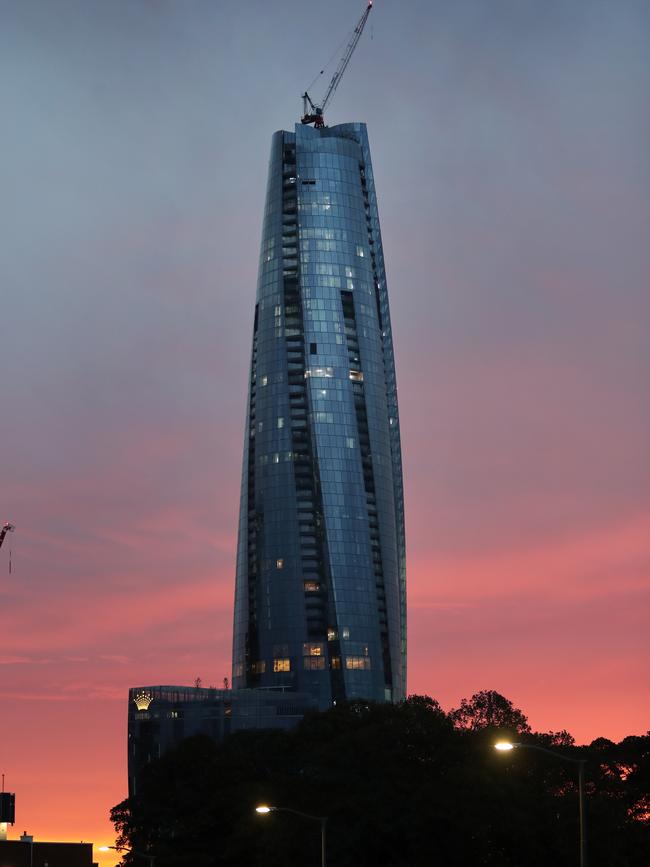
{"points": [[7, 528], [314, 113]]}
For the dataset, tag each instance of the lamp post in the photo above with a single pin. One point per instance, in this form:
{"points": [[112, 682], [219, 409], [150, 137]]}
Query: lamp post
{"points": [[151, 858], [506, 746], [264, 808]]}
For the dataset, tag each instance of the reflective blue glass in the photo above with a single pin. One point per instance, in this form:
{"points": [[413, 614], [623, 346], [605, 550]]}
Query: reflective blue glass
{"points": [[320, 600]]}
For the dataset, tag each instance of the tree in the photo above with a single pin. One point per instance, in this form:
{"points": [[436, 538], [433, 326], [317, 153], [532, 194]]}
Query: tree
{"points": [[403, 786], [489, 708]]}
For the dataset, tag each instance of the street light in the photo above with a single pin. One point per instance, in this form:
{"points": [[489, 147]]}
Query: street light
{"points": [[265, 808], [151, 858], [506, 746]]}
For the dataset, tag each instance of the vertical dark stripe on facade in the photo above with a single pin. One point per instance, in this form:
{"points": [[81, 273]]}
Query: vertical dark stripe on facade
{"points": [[255, 521], [356, 375]]}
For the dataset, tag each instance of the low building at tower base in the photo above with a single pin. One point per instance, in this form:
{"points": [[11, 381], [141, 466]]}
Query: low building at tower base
{"points": [[160, 717]]}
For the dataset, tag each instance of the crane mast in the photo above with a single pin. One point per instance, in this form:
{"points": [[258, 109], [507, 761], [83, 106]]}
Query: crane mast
{"points": [[314, 113]]}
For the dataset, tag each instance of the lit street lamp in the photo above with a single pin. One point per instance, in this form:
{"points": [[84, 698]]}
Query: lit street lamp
{"points": [[151, 858], [264, 808], [506, 746]]}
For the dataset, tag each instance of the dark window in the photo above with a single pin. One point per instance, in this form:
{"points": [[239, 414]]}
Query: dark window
{"points": [[313, 348]]}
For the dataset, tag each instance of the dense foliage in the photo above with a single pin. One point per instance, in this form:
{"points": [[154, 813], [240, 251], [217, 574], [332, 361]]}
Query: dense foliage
{"points": [[402, 786]]}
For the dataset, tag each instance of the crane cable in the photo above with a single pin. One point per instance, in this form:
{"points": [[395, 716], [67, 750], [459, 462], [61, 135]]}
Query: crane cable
{"points": [[336, 53]]}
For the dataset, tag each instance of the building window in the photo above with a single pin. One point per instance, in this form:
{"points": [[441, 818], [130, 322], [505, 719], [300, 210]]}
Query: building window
{"points": [[314, 663], [264, 380], [279, 563], [258, 667], [311, 649], [281, 665], [280, 422], [313, 348], [312, 586], [345, 632], [327, 372], [331, 635], [349, 442], [336, 662], [360, 252], [356, 376], [358, 662]]}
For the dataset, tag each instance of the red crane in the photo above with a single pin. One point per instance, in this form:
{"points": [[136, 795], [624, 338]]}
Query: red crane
{"points": [[314, 113]]}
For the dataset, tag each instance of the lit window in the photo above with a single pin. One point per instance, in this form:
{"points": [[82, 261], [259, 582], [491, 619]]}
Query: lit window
{"points": [[312, 586], [279, 563], [349, 441], [264, 381], [360, 252], [357, 662], [310, 649], [350, 284], [349, 272], [276, 458], [258, 667], [319, 371], [356, 376], [336, 662], [331, 634], [280, 422], [281, 665], [260, 425], [345, 632], [278, 308]]}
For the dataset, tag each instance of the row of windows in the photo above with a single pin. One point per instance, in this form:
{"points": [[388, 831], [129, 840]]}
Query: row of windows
{"points": [[335, 456], [314, 663]]}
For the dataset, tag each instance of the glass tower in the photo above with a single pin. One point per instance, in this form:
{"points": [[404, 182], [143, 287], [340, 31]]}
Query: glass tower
{"points": [[320, 598]]}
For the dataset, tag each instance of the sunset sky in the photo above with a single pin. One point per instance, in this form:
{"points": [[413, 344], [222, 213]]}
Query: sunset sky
{"points": [[510, 148]]}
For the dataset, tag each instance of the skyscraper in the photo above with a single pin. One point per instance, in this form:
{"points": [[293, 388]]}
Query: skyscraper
{"points": [[320, 599]]}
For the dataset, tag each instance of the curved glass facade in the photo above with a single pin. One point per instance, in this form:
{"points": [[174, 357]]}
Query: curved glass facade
{"points": [[320, 599]]}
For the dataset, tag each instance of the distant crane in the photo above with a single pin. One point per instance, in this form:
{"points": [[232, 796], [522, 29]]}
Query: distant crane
{"points": [[314, 113], [7, 528]]}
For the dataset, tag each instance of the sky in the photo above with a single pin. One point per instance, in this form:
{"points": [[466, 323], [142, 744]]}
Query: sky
{"points": [[510, 150]]}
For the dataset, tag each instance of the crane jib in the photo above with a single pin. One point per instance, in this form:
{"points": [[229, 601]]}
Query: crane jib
{"points": [[317, 111]]}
